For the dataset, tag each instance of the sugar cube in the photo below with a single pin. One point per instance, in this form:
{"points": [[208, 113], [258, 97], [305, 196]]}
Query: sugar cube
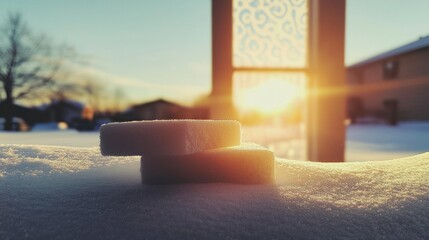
{"points": [[167, 137], [246, 164]]}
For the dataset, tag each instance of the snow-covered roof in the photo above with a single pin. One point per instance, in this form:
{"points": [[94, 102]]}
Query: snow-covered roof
{"points": [[422, 42], [160, 100]]}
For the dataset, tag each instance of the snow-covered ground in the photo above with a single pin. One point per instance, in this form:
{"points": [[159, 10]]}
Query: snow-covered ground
{"points": [[382, 142], [66, 138], [62, 188], [74, 193], [364, 142]]}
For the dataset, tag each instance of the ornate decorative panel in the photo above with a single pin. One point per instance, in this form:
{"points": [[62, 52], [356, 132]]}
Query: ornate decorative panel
{"points": [[270, 33]]}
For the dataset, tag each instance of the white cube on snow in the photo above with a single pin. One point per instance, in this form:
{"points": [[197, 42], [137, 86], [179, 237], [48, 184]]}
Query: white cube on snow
{"points": [[167, 137], [246, 164]]}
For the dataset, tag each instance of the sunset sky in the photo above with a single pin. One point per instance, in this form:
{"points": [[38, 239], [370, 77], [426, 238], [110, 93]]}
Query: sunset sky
{"points": [[162, 48]]}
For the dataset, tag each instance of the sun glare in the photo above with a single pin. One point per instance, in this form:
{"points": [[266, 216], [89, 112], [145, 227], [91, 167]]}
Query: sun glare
{"points": [[269, 97]]}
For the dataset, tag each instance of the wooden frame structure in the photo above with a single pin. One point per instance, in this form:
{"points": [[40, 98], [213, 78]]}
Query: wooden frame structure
{"points": [[325, 73]]}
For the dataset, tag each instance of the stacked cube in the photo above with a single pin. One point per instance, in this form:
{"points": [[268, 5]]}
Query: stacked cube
{"points": [[180, 151]]}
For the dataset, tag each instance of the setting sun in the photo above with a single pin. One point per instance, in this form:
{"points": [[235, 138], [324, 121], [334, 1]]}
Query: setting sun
{"points": [[269, 97]]}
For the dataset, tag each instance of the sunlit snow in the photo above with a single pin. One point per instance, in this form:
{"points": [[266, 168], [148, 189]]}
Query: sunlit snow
{"points": [[65, 192]]}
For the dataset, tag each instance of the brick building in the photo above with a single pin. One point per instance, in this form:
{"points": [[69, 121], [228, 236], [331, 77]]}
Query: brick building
{"points": [[393, 85]]}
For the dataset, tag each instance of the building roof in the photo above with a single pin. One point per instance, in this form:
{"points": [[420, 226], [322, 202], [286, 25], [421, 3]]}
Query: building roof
{"points": [[157, 101], [68, 102], [422, 42]]}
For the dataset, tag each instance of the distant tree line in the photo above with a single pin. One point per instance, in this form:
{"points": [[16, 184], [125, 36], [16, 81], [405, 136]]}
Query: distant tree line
{"points": [[32, 68]]}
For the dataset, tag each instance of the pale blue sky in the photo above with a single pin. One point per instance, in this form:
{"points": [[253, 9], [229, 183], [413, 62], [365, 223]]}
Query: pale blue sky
{"points": [[375, 26], [163, 47]]}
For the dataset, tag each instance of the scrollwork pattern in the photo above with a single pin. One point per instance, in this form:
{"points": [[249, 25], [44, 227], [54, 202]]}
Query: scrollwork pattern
{"points": [[270, 33]]}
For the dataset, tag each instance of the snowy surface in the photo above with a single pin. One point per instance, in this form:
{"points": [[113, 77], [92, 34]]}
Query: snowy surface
{"points": [[33, 160], [368, 142], [68, 138], [364, 142], [74, 193], [382, 142]]}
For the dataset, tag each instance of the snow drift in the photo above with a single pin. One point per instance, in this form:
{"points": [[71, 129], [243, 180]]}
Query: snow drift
{"points": [[60, 192]]}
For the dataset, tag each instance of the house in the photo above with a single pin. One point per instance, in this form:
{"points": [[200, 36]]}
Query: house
{"points": [[393, 85], [157, 109], [29, 115], [68, 111], [162, 109]]}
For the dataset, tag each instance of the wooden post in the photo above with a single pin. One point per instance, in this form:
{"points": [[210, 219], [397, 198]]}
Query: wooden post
{"points": [[326, 105], [222, 68]]}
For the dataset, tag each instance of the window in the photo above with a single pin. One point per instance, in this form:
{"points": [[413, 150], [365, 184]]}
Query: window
{"points": [[269, 39], [270, 61], [263, 62], [390, 70]]}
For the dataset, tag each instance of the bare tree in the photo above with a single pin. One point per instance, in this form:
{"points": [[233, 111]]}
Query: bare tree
{"points": [[119, 98], [28, 64], [94, 91], [64, 91]]}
